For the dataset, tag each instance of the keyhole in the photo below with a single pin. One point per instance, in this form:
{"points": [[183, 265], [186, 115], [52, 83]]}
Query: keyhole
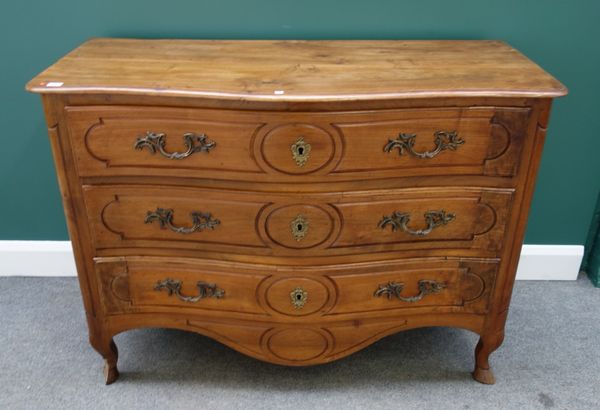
{"points": [[299, 297], [301, 150], [300, 227]]}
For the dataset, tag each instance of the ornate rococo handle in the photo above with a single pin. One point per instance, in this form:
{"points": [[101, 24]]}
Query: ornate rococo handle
{"points": [[426, 287], [206, 290], [156, 142], [444, 140], [400, 220], [164, 217]]}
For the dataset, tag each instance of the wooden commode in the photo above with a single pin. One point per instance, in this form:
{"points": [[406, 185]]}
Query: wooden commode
{"points": [[296, 200]]}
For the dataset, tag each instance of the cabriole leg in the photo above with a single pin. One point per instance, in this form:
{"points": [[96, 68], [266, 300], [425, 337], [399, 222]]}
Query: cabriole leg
{"points": [[486, 345], [108, 350]]}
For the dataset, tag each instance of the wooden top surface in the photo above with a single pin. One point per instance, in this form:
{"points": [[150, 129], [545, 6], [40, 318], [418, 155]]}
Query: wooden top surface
{"points": [[266, 70]]}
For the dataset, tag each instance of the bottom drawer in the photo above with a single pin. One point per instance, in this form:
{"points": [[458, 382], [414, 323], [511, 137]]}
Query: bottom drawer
{"points": [[283, 293]]}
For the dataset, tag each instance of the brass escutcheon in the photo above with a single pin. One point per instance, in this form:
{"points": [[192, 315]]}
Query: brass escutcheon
{"points": [[299, 226], [300, 151], [299, 297]]}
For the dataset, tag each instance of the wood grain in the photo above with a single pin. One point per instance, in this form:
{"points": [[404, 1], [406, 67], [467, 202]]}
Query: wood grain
{"points": [[339, 223], [262, 293], [255, 146], [255, 70], [345, 98]]}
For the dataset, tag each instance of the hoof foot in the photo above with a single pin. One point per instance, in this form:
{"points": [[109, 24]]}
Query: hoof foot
{"points": [[111, 374], [485, 376]]}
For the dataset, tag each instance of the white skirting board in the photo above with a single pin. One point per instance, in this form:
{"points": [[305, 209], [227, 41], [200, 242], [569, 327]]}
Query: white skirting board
{"points": [[55, 258]]}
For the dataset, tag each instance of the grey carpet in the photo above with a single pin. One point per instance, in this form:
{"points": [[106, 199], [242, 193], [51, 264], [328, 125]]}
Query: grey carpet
{"points": [[549, 359]]}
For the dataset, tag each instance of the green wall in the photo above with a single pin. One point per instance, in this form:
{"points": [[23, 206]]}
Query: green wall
{"points": [[561, 36]]}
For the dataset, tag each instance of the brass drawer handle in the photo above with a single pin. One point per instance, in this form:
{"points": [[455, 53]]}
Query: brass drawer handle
{"points": [[400, 220], [164, 217], [301, 151], [444, 140], [426, 287], [205, 290], [156, 142]]}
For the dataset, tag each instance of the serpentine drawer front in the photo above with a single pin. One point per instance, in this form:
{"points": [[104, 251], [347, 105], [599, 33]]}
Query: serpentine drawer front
{"points": [[286, 146], [286, 224], [329, 292], [298, 200]]}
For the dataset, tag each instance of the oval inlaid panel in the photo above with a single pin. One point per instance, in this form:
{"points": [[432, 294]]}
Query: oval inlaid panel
{"points": [[299, 226], [313, 148], [297, 344], [279, 296]]}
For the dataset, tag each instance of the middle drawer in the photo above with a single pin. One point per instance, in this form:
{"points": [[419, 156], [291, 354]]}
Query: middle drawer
{"points": [[319, 224]]}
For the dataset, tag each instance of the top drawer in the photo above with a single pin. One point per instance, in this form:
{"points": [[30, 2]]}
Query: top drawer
{"points": [[284, 146]]}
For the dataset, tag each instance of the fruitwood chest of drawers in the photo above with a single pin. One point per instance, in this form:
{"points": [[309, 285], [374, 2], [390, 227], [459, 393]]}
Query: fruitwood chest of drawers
{"points": [[296, 200]]}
